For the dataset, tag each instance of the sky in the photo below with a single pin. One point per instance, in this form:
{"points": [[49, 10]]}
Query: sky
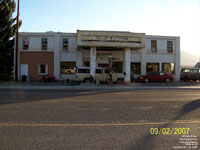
{"points": [[153, 17]]}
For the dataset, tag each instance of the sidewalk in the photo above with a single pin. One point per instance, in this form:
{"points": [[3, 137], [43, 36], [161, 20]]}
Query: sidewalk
{"points": [[84, 86]]}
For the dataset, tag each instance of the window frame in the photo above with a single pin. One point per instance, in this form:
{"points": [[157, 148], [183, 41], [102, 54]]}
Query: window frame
{"points": [[117, 66], [185, 70], [169, 47], [25, 43], [98, 71], [65, 44], [83, 70], [154, 46], [86, 63], [137, 69], [172, 67], [39, 69], [153, 64], [195, 70], [67, 65], [44, 46]]}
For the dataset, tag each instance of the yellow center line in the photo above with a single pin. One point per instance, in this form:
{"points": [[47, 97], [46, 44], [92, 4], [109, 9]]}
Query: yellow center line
{"points": [[99, 125], [114, 100], [99, 100]]}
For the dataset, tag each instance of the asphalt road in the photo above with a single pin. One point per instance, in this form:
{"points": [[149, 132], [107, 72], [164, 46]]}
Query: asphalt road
{"points": [[99, 120]]}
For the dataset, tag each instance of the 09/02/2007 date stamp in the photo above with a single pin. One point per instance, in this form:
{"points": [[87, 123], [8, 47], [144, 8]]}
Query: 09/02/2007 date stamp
{"points": [[187, 141], [169, 131]]}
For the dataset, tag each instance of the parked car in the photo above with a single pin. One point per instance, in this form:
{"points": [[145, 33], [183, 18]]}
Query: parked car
{"points": [[188, 74], [71, 70], [47, 78], [102, 75], [197, 65], [156, 77]]}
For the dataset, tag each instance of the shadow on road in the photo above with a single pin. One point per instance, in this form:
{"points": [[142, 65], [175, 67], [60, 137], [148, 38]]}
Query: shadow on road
{"points": [[23, 96], [149, 140], [190, 107]]}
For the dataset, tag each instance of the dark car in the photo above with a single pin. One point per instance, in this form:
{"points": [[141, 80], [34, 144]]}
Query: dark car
{"points": [[197, 65], [156, 77], [188, 74]]}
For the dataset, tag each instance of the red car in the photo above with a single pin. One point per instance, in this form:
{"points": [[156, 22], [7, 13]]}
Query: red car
{"points": [[156, 77], [47, 78]]}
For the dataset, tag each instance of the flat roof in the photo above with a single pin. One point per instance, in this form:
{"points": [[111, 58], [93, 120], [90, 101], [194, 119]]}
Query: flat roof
{"points": [[74, 34]]}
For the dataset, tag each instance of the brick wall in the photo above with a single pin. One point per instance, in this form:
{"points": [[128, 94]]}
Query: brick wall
{"points": [[33, 59]]}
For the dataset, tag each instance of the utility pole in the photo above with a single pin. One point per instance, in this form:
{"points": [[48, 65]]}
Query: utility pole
{"points": [[16, 45]]}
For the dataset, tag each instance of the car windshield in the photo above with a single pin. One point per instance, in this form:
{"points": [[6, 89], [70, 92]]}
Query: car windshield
{"points": [[195, 70], [162, 73], [186, 70], [83, 71], [151, 73]]}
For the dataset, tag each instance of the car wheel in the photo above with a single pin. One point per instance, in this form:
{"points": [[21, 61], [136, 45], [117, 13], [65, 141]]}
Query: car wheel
{"points": [[185, 79], [87, 80], [167, 80], [120, 81], [146, 80]]}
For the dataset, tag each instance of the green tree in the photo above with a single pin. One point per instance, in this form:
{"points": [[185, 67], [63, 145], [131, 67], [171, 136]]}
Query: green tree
{"points": [[8, 27]]}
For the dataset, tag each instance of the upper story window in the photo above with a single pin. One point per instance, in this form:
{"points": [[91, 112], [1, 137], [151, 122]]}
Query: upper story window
{"points": [[65, 44], [25, 43], [170, 46], [153, 46], [44, 43]]}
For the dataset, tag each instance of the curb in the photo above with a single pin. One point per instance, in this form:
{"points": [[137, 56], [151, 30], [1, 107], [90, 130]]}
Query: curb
{"points": [[102, 87]]}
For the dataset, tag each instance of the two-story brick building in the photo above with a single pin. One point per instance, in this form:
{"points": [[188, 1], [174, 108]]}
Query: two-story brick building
{"points": [[53, 53]]}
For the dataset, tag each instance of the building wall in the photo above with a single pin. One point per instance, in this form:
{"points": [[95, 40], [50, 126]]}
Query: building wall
{"points": [[35, 41], [162, 56], [54, 53], [136, 56], [64, 56], [33, 59], [102, 56]]}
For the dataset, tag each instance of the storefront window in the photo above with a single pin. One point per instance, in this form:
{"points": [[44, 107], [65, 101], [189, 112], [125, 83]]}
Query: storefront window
{"points": [[86, 63], [168, 67], [67, 67], [117, 66], [152, 67], [136, 68]]}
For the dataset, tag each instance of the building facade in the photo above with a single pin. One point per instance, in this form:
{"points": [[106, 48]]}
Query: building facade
{"points": [[54, 53]]}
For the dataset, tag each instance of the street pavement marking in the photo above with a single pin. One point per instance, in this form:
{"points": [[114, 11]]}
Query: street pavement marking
{"points": [[111, 92], [115, 100], [141, 93], [100, 125], [99, 100]]}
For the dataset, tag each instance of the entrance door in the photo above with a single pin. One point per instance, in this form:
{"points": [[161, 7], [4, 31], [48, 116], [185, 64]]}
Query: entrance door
{"points": [[24, 69]]}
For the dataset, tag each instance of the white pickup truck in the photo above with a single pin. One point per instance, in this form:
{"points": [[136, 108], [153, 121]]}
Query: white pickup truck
{"points": [[102, 75]]}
